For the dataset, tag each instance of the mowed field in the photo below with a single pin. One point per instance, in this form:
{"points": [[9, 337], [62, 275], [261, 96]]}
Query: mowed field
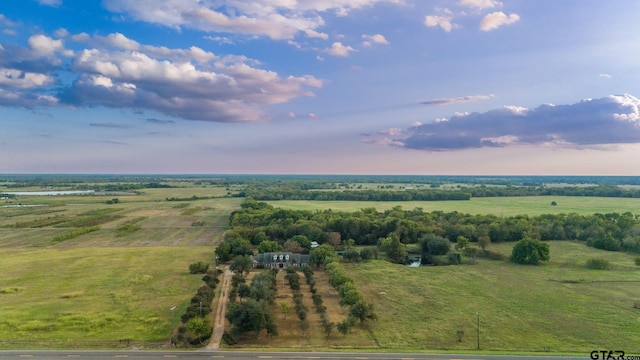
{"points": [[557, 307], [114, 283], [500, 206]]}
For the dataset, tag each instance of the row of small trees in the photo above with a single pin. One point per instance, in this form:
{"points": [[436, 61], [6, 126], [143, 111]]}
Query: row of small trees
{"points": [[195, 326]]}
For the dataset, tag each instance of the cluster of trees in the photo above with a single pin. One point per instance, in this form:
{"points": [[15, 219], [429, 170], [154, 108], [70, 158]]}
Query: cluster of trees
{"points": [[195, 326], [252, 312], [258, 220]]}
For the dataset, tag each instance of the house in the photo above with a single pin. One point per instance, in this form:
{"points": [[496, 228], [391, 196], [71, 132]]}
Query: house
{"points": [[280, 260]]}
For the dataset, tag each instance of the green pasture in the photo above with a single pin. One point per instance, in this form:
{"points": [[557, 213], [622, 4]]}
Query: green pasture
{"points": [[102, 294], [500, 206], [557, 307]]}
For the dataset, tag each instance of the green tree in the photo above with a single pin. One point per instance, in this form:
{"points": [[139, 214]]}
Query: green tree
{"points": [[269, 246], [247, 316], [363, 311], [303, 241], [393, 247], [461, 243], [322, 255], [200, 328], [285, 308], [530, 252], [241, 264], [223, 251]]}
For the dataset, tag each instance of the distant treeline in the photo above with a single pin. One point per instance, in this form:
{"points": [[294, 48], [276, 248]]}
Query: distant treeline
{"points": [[356, 195], [258, 221], [463, 193]]}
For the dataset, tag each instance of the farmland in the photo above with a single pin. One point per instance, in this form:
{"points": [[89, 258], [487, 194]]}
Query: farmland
{"points": [[92, 270]]}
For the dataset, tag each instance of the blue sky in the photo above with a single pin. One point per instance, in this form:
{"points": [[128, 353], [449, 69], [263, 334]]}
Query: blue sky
{"points": [[320, 86]]}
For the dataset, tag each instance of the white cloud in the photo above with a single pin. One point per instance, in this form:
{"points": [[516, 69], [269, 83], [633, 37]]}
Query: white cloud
{"points": [[338, 49], [480, 4], [281, 20], [610, 120], [315, 34], [17, 79], [444, 22], [497, 19], [457, 100], [374, 39], [61, 33], [44, 45], [188, 83], [54, 3], [606, 76]]}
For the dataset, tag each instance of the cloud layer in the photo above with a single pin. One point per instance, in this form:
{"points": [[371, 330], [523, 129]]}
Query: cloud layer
{"points": [[610, 120], [281, 20], [115, 71]]}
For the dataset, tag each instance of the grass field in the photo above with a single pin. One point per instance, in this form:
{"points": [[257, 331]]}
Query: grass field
{"points": [[94, 295], [558, 307], [103, 286], [506, 206]]}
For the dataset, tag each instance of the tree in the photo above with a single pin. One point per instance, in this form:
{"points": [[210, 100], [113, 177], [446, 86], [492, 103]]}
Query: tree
{"points": [[247, 316], [363, 311], [461, 243], [334, 238], [303, 241], [293, 246], [285, 308], [434, 245], [322, 255], [269, 246], [393, 247], [223, 251], [530, 252], [241, 264], [200, 328], [244, 291]]}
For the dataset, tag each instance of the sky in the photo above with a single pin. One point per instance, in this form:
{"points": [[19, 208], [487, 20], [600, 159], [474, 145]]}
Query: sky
{"points": [[425, 87]]}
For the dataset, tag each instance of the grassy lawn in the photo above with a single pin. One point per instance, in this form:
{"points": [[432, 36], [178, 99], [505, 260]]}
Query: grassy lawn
{"points": [[505, 206], [559, 306]]}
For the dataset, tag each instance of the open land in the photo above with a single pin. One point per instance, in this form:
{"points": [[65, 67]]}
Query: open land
{"points": [[119, 281]]}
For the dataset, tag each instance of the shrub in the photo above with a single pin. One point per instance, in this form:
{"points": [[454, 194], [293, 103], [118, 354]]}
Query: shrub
{"points": [[598, 264], [198, 268], [637, 260]]}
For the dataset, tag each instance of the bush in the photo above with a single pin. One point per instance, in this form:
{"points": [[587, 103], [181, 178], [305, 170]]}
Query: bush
{"points": [[198, 268], [598, 264], [637, 260], [530, 252]]}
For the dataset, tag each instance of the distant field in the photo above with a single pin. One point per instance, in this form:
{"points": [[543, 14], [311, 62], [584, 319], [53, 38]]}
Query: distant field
{"points": [[558, 307], [501, 206]]}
